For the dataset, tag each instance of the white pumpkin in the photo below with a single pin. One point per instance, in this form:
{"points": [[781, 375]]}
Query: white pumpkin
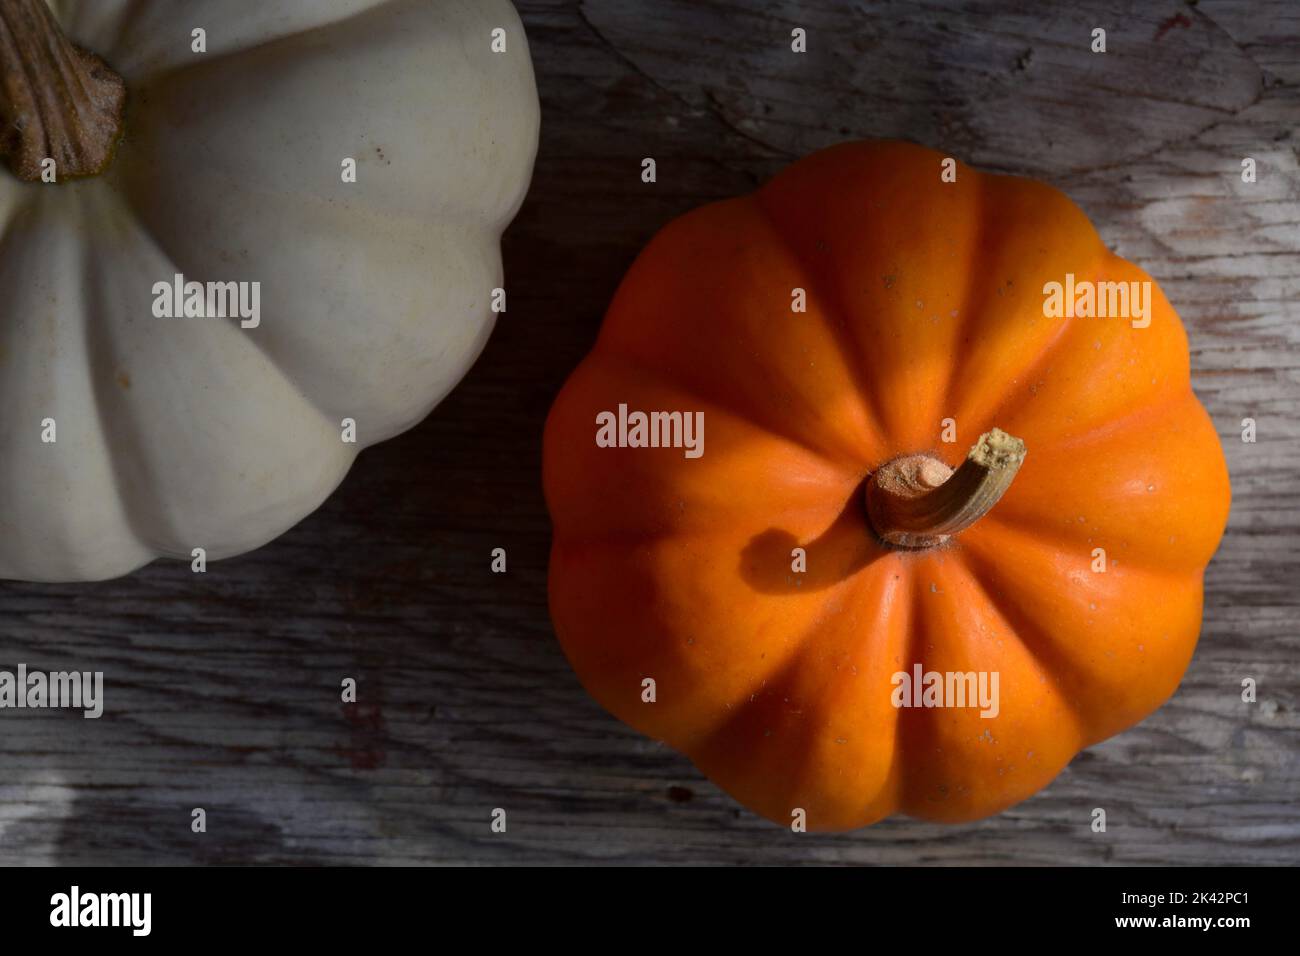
{"points": [[171, 434]]}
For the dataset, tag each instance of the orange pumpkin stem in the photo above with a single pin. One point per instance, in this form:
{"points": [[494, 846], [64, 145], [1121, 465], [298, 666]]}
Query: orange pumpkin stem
{"points": [[57, 101], [918, 502]]}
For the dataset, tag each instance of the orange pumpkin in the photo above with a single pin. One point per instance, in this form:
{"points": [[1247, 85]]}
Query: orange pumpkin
{"points": [[1069, 566]]}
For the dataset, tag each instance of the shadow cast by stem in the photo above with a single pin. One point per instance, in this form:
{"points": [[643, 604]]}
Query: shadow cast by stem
{"points": [[835, 555]]}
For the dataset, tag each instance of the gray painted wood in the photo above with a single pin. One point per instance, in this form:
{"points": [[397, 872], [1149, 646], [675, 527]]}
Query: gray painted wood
{"points": [[222, 689]]}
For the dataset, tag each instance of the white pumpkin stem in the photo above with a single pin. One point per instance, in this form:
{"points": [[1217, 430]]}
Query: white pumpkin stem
{"points": [[918, 502], [57, 101]]}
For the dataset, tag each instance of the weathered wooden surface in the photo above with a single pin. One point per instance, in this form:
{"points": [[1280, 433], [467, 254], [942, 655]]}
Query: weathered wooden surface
{"points": [[222, 690]]}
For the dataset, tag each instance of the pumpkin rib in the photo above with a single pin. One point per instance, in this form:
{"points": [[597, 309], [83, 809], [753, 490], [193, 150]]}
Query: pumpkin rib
{"points": [[1018, 777], [648, 575], [39, 533], [396, 414], [793, 647], [1162, 545], [976, 279], [1048, 536], [1164, 400], [1001, 412], [898, 774], [1071, 338], [150, 520], [1048, 659], [810, 390], [91, 333], [1094, 702], [716, 755], [143, 229], [631, 362], [713, 750], [904, 727], [854, 211], [811, 489], [889, 797], [797, 648], [842, 332], [1031, 221], [1172, 402]]}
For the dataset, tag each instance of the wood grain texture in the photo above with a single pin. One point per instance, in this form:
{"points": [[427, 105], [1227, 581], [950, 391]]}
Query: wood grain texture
{"points": [[222, 689]]}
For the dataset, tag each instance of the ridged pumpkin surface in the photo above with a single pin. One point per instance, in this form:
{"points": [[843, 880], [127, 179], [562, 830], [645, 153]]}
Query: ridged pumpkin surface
{"points": [[924, 302]]}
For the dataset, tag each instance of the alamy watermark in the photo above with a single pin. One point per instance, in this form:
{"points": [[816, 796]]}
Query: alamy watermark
{"points": [[179, 299], [651, 430], [924, 688], [76, 690], [1102, 300], [77, 909]]}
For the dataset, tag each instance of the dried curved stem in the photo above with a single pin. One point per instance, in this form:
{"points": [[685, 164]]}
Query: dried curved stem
{"points": [[919, 502], [57, 101]]}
